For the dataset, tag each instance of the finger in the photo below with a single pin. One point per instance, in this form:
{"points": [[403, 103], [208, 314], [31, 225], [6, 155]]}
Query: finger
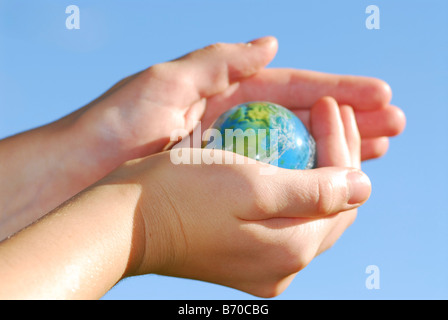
{"points": [[373, 148], [285, 194], [301, 89], [328, 131], [211, 70], [312, 193], [386, 122], [341, 222], [352, 135], [317, 193], [389, 121]]}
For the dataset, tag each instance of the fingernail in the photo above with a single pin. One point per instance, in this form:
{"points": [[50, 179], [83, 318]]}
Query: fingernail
{"points": [[261, 41], [359, 187]]}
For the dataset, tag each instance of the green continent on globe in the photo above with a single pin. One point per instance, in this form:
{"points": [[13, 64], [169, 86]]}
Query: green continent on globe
{"points": [[265, 132]]}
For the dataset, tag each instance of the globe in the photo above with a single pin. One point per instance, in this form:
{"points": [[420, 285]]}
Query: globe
{"points": [[265, 132]]}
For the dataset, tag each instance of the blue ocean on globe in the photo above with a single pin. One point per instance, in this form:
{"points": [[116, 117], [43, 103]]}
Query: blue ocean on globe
{"points": [[266, 132]]}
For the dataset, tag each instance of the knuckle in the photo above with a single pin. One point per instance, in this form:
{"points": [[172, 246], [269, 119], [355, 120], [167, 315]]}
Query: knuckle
{"points": [[290, 252], [222, 46], [272, 288], [269, 290], [292, 258], [324, 199], [261, 201], [172, 73], [258, 205], [282, 269], [158, 70], [218, 46], [329, 193]]}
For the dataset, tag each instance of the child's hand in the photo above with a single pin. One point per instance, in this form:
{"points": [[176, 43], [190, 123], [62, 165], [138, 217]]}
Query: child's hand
{"points": [[222, 223], [228, 224], [136, 117]]}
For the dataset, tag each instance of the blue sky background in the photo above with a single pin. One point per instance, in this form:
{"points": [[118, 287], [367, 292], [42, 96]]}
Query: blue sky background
{"points": [[47, 71]]}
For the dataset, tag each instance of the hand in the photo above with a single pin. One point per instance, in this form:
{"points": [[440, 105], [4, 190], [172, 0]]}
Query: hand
{"points": [[230, 225], [225, 224], [136, 117]]}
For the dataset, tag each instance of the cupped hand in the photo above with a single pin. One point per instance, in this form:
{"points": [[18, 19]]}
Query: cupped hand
{"points": [[136, 117], [229, 224]]}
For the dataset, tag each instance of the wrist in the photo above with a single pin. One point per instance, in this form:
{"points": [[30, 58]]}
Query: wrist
{"points": [[123, 124], [93, 142], [152, 244], [123, 225]]}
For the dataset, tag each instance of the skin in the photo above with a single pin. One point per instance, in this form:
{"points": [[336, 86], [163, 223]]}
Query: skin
{"points": [[121, 217], [136, 117], [222, 223]]}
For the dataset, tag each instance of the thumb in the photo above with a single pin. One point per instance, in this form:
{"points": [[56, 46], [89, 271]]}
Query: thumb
{"points": [[318, 192], [212, 69]]}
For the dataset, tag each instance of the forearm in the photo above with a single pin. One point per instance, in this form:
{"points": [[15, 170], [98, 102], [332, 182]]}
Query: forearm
{"points": [[42, 168], [80, 250]]}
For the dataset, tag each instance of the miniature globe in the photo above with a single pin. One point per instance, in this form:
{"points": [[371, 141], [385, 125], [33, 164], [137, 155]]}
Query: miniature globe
{"points": [[266, 132]]}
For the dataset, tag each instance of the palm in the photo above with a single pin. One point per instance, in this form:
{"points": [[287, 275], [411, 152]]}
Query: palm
{"points": [[298, 90]]}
